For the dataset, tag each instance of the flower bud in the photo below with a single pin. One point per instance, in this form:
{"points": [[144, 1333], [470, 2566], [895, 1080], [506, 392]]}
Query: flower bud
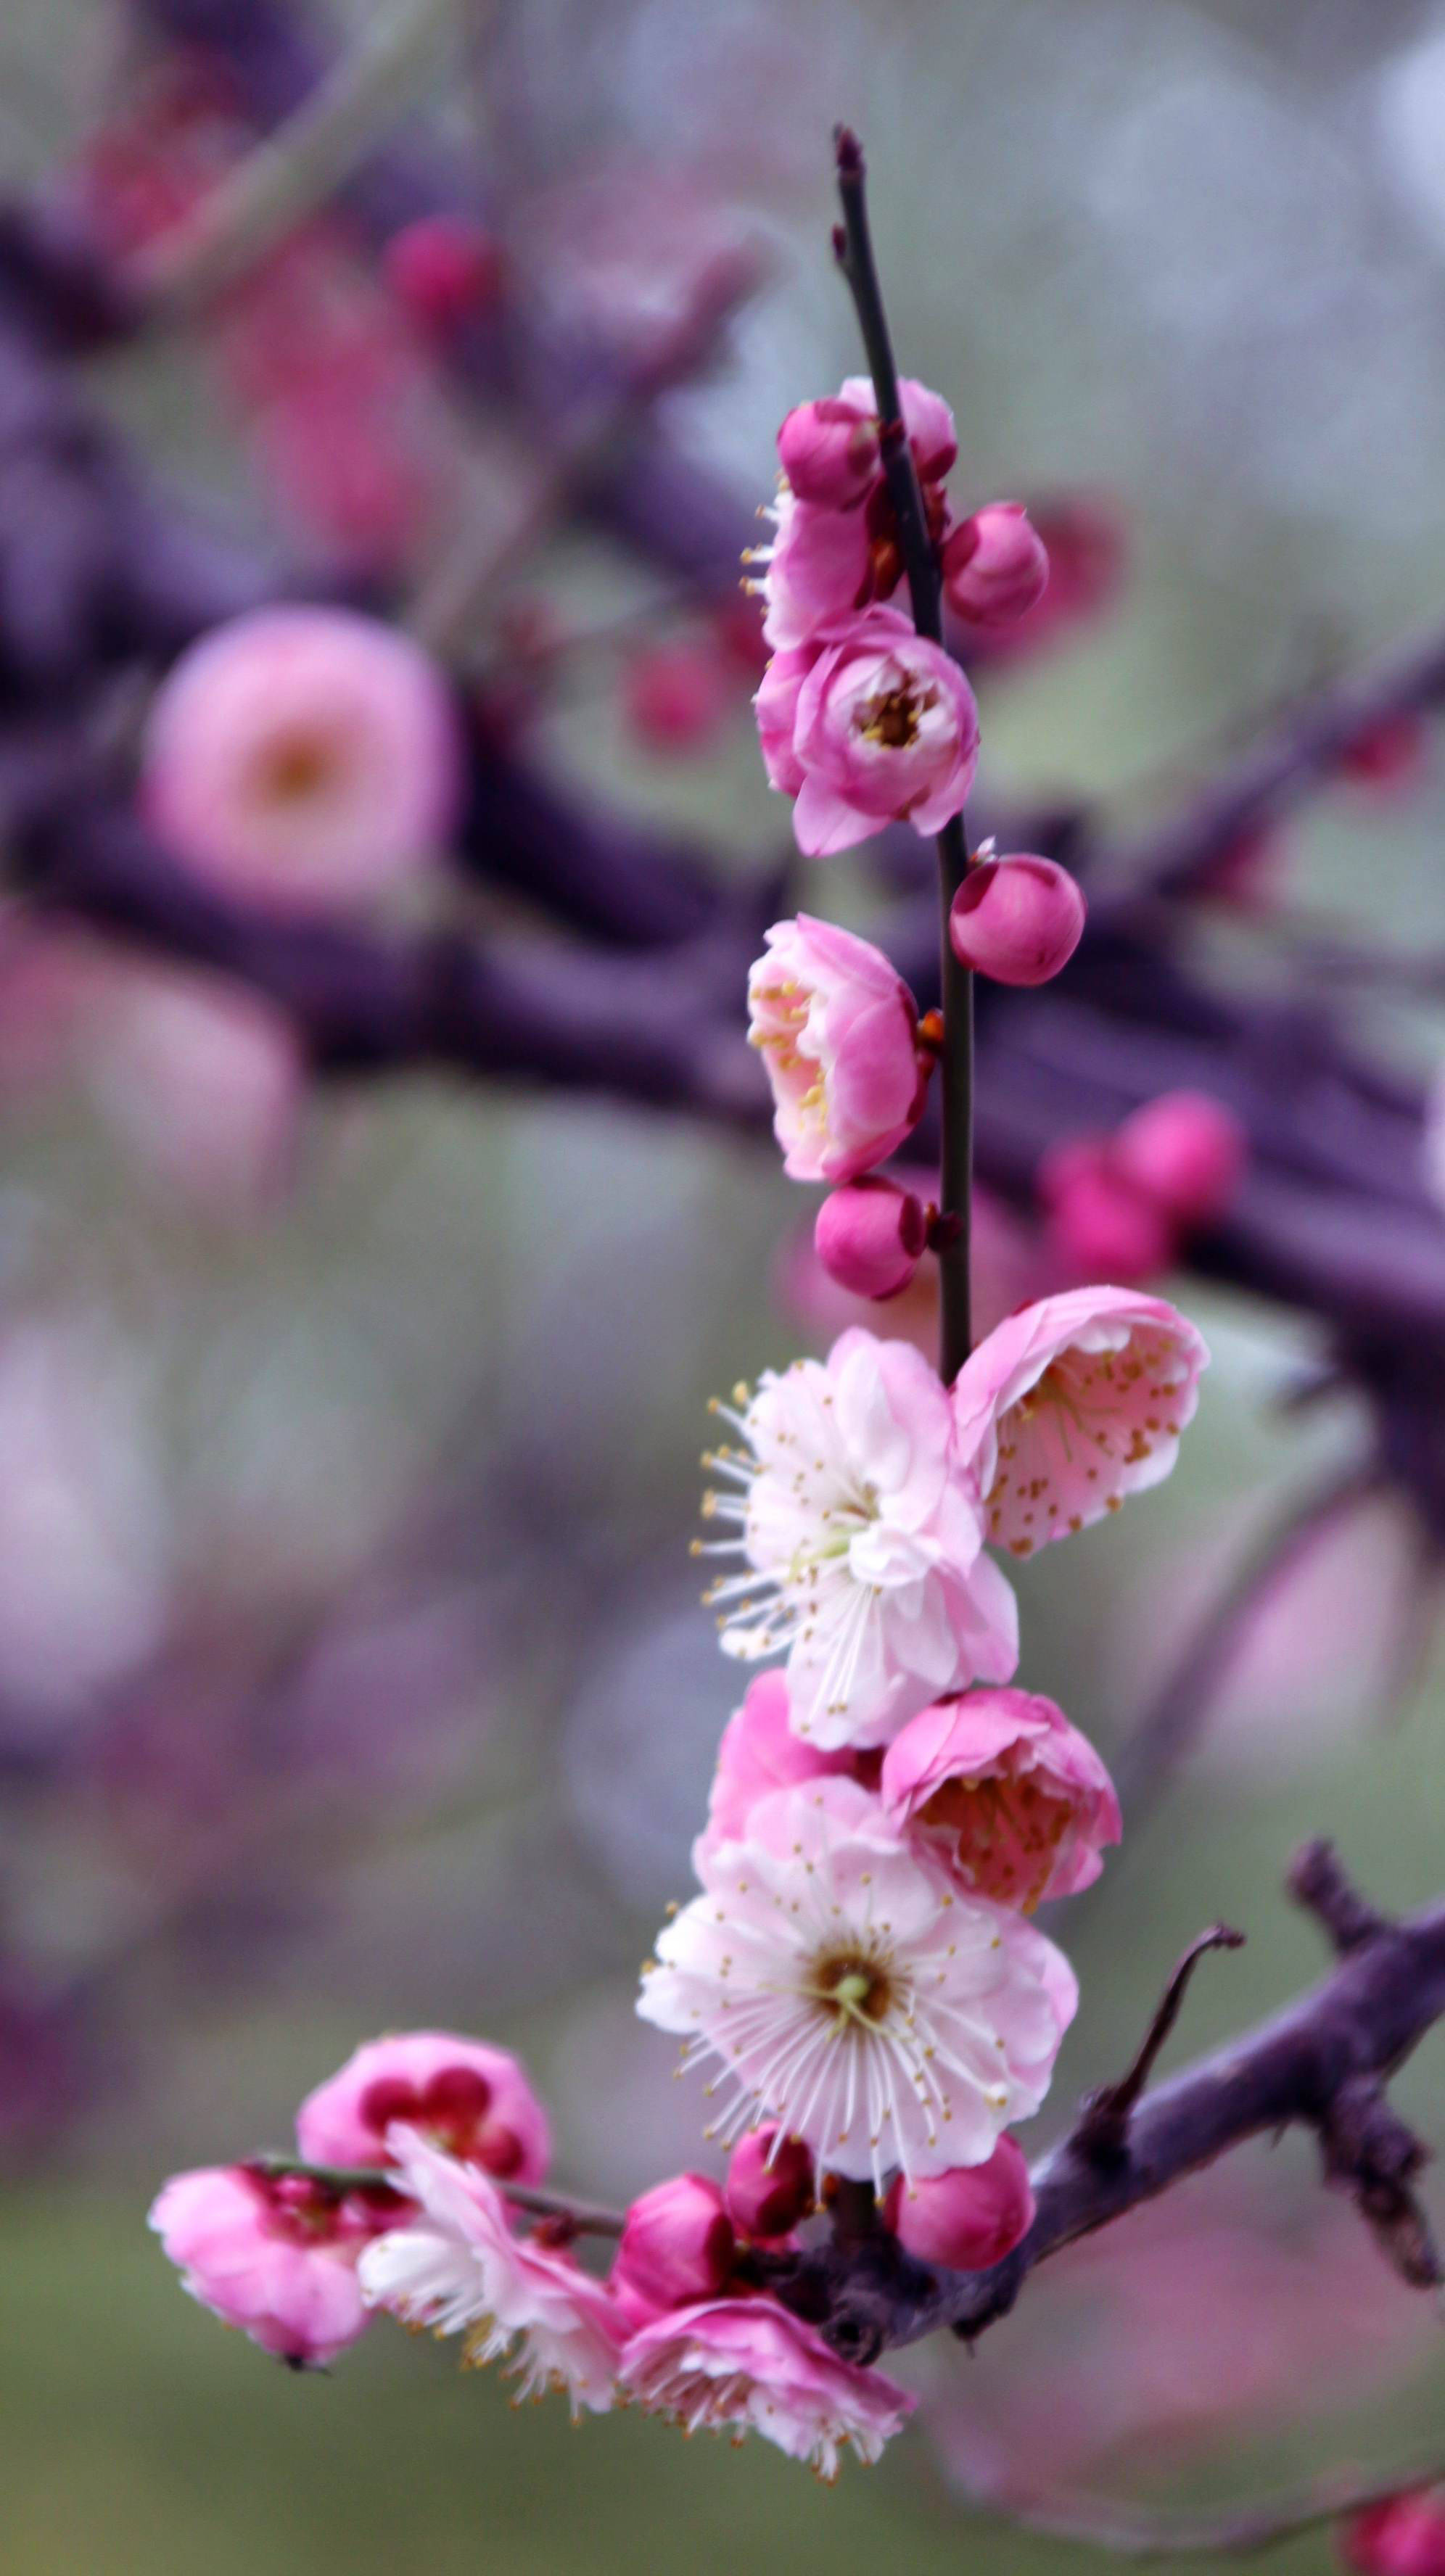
{"points": [[994, 566], [443, 269], [1186, 1151], [1402, 2536], [1017, 919], [870, 1237], [829, 452], [1100, 1227], [967, 2219], [771, 2183], [677, 2243]]}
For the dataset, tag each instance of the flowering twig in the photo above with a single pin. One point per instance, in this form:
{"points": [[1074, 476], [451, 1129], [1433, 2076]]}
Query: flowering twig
{"points": [[853, 245], [575, 2217]]}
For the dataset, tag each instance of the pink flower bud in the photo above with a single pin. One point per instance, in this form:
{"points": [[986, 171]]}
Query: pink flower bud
{"points": [[469, 2098], [771, 2183], [275, 2257], [444, 270], [677, 2243], [829, 452], [870, 1237], [1100, 1227], [967, 2219], [1186, 1151], [677, 697], [926, 417], [994, 566], [1403, 2536], [1017, 919], [836, 1027]]}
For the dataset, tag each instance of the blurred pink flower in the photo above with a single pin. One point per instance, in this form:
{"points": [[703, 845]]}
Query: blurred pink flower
{"points": [[748, 2364], [302, 759], [771, 2184], [472, 2099], [1403, 2536], [1016, 1796], [837, 1029], [200, 1080], [276, 2258], [995, 566]]}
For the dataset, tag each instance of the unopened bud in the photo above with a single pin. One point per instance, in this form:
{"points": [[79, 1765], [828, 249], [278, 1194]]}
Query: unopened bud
{"points": [[1017, 919], [771, 2184], [967, 2219], [677, 2243], [829, 452], [995, 567], [870, 1237]]}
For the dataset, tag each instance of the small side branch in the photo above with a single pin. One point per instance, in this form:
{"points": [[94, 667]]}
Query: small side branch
{"points": [[1102, 2129], [566, 2218]]}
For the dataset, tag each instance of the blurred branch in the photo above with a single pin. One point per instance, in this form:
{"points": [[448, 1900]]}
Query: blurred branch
{"points": [[1241, 2531]]}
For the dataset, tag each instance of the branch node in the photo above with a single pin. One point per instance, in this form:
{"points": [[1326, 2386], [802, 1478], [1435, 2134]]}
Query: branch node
{"points": [[1371, 2153], [1318, 1882], [1102, 2131]]}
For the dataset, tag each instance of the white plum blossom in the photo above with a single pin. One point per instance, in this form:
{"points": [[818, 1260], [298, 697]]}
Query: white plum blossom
{"points": [[457, 2266], [864, 1543], [850, 1992]]}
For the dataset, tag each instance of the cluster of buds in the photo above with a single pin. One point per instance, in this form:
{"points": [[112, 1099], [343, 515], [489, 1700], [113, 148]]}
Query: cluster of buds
{"points": [[1122, 1206], [862, 720]]}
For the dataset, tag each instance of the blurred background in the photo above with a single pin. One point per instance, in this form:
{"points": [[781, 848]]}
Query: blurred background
{"points": [[351, 1385]]}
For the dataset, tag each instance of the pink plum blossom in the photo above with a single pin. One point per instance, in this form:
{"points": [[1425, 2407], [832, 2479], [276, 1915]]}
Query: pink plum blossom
{"points": [[968, 2219], [818, 570], [772, 2182], [829, 452], [1070, 1405], [837, 1030], [884, 730], [1402, 2536], [859, 1523], [1016, 1797], [1185, 1150], [201, 1081], [469, 2098], [278, 2258], [1099, 1224], [759, 1753], [870, 1237], [749, 2365], [995, 567], [1017, 919], [677, 2243], [848, 1990], [302, 758], [457, 2266]]}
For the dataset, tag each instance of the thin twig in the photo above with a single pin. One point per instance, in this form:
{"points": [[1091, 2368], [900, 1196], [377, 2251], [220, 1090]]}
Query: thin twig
{"points": [[1237, 2531], [1103, 2127], [579, 2217]]}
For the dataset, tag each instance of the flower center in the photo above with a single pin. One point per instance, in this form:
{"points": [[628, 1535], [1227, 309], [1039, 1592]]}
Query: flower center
{"points": [[854, 1988], [1009, 1830], [294, 767], [891, 720]]}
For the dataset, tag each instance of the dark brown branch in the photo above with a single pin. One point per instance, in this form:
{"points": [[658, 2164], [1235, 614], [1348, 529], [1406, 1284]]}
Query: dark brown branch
{"points": [[1103, 2127]]}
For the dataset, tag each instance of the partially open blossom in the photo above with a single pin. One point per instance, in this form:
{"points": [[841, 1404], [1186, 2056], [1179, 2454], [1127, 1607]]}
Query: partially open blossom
{"points": [[1017, 1798], [471, 2099], [837, 1029], [884, 730], [276, 2257], [870, 1237], [926, 417], [1018, 919], [749, 2365], [771, 2182], [1402, 2536], [677, 2243], [457, 2267], [1070, 1405], [967, 2219], [849, 1991], [1099, 1223], [829, 452], [302, 758], [1187, 1152], [860, 1529], [759, 1753], [995, 568], [818, 569]]}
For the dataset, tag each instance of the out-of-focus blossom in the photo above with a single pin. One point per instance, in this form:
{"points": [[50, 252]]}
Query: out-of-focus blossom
{"points": [[870, 1237], [849, 1992], [1018, 1798], [926, 417], [1388, 757], [1186, 1151], [200, 1080], [995, 566], [676, 698], [967, 2219], [677, 2243], [458, 2267], [837, 1029], [748, 2365], [469, 2098], [276, 2257], [884, 729], [771, 2182], [759, 1752], [444, 270], [863, 1543], [1071, 1405], [302, 758], [1403, 2536], [1098, 1223], [1018, 919], [1085, 542]]}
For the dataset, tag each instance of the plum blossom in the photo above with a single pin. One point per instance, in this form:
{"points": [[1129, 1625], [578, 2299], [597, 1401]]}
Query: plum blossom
{"points": [[1015, 1796], [456, 2266], [748, 2364], [677, 2244], [1070, 1405], [835, 546], [466, 2097], [847, 1989], [759, 1753], [302, 758], [830, 449], [863, 1543], [818, 569], [967, 2219], [275, 2257], [883, 729], [837, 1029]]}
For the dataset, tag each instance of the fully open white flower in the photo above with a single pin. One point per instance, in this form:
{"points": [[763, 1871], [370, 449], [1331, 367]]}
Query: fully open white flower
{"points": [[850, 1993], [864, 1541], [459, 2268]]}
